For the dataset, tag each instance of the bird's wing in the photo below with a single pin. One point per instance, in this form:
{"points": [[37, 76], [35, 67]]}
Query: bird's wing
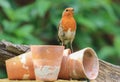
{"points": [[59, 30]]}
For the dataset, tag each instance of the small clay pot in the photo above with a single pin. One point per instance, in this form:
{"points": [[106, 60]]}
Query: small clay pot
{"points": [[47, 61], [20, 67], [79, 65], [84, 64], [64, 72]]}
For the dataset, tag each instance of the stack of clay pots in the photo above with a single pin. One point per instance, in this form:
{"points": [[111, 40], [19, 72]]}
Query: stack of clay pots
{"points": [[51, 62]]}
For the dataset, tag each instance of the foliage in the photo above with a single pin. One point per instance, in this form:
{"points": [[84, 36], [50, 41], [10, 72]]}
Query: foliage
{"points": [[36, 21], [3, 73]]}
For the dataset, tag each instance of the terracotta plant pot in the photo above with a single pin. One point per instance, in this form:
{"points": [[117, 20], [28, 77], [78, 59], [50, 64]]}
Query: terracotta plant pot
{"points": [[84, 64], [20, 67], [79, 65], [64, 72], [47, 61]]}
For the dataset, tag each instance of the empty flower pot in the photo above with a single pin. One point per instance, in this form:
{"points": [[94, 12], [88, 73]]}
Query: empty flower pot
{"points": [[79, 65], [20, 67], [83, 64], [47, 61], [64, 72]]}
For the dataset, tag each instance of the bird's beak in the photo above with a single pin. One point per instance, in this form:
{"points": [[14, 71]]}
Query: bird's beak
{"points": [[72, 11]]}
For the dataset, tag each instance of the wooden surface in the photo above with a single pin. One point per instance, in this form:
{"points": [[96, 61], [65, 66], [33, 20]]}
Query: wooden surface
{"points": [[107, 73], [6, 80]]}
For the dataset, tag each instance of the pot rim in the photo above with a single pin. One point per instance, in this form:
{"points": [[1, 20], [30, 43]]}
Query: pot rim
{"points": [[97, 61], [46, 46]]}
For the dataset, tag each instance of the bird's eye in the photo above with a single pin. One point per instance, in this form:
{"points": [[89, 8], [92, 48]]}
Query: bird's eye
{"points": [[66, 10]]}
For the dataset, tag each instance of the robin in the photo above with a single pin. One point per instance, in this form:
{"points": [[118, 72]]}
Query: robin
{"points": [[67, 28]]}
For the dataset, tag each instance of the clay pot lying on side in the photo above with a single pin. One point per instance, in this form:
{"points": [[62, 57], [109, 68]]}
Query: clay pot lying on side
{"points": [[79, 65], [20, 67], [47, 61]]}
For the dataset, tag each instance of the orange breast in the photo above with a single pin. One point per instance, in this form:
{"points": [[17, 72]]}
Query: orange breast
{"points": [[68, 23]]}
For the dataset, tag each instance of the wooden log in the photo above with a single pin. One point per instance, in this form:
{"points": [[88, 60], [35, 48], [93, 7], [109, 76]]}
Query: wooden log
{"points": [[107, 72], [8, 50]]}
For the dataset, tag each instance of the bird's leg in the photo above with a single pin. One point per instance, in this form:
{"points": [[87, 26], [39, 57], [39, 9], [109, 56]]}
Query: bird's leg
{"points": [[62, 44], [71, 47]]}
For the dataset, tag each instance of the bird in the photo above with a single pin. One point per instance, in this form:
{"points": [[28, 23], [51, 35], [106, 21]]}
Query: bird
{"points": [[67, 28]]}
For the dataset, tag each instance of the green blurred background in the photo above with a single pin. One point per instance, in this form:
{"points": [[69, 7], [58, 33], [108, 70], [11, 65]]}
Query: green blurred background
{"points": [[36, 21]]}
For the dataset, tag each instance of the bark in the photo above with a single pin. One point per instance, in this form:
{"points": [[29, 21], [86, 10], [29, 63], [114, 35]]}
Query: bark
{"points": [[8, 50], [107, 72]]}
